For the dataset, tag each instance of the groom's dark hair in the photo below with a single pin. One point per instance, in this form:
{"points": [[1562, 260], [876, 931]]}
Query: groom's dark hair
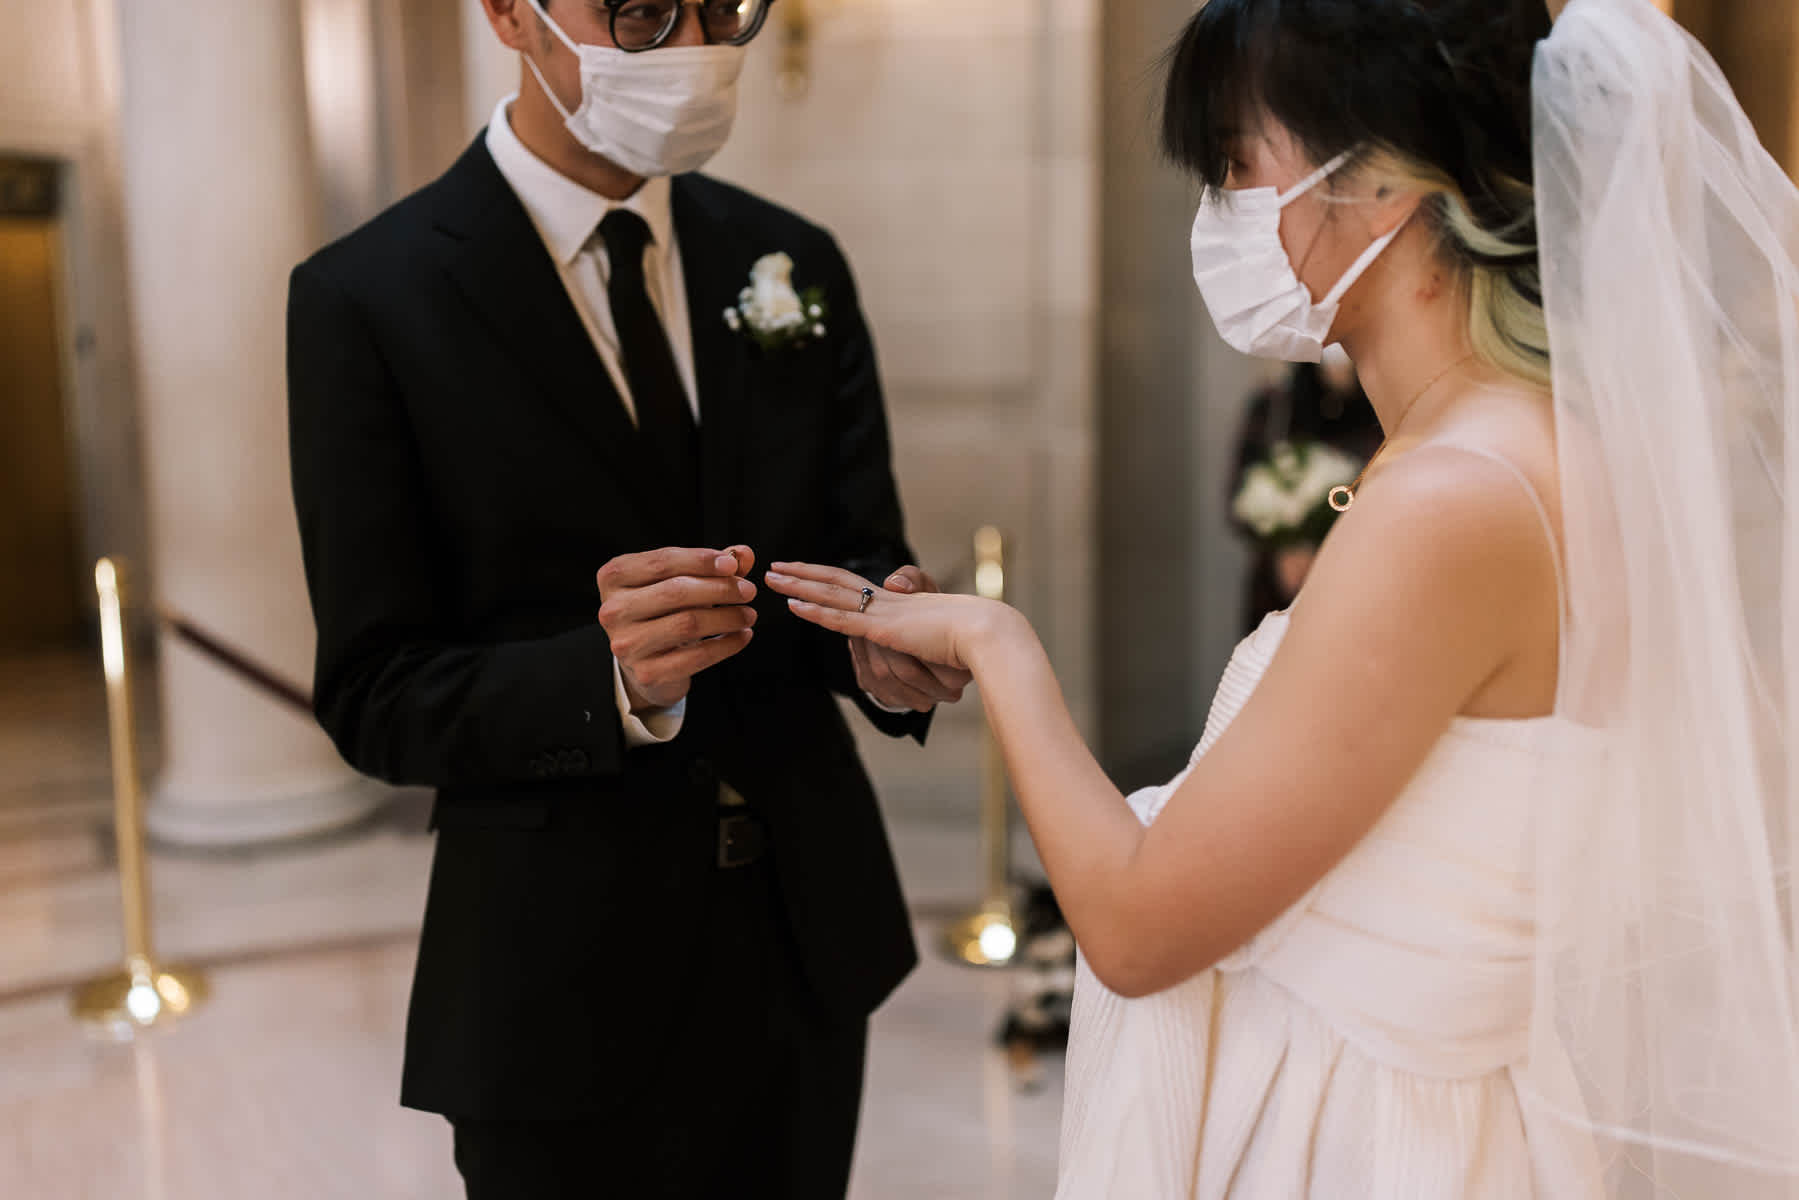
{"points": [[1434, 92]]}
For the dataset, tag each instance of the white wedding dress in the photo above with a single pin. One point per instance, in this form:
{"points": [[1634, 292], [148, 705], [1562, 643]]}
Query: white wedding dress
{"points": [[1363, 1044]]}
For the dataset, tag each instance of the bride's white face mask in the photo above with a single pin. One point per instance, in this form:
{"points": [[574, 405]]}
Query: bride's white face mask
{"points": [[656, 112], [1256, 299]]}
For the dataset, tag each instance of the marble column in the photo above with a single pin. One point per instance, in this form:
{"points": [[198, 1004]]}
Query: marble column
{"points": [[220, 200]]}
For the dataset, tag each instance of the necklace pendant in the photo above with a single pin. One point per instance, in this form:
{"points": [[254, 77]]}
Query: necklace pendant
{"points": [[1341, 498]]}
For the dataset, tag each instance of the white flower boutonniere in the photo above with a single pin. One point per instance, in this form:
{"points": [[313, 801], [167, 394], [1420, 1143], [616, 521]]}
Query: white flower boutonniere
{"points": [[771, 313]]}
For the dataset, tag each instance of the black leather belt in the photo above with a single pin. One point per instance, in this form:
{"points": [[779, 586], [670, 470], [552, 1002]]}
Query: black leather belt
{"points": [[742, 838]]}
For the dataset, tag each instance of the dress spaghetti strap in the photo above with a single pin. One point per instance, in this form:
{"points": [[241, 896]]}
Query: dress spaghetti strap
{"points": [[1536, 502]]}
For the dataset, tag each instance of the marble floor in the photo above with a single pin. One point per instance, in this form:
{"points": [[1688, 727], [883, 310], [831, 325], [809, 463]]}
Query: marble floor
{"points": [[283, 1085]]}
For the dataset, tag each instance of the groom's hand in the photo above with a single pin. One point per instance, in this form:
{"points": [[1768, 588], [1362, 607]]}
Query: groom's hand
{"points": [[673, 613], [899, 681]]}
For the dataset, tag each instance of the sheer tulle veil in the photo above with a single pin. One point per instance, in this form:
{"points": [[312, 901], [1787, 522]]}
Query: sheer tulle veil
{"points": [[1665, 1041]]}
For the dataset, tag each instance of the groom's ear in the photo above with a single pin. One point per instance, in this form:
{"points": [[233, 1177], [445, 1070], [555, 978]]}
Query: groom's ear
{"points": [[510, 20]]}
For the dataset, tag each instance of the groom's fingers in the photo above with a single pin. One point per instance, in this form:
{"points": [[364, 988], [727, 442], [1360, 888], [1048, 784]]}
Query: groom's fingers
{"points": [[880, 675], [746, 558], [651, 638], [654, 566], [911, 580], [687, 661], [910, 674], [676, 595], [949, 677], [865, 676]]}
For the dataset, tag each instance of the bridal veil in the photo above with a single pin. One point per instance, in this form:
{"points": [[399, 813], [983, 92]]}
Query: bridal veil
{"points": [[1666, 1033]]}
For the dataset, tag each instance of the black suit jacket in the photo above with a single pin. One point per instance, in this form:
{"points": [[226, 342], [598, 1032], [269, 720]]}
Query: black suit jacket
{"points": [[462, 467]]}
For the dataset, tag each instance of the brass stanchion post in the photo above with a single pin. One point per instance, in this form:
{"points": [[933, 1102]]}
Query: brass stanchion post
{"points": [[142, 995], [987, 937]]}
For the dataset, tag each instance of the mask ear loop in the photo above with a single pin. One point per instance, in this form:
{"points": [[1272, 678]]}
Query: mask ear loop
{"points": [[531, 60], [1362, 264], [556, 29], [1314, 179]]}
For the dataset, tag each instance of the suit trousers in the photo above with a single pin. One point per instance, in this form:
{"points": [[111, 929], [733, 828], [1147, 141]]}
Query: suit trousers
{"points": [[759, 1098]]}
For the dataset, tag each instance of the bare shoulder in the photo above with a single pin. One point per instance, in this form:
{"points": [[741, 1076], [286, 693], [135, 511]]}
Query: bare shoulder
{"points": [[1455, 503], [1474, 480], [1445, 557]]}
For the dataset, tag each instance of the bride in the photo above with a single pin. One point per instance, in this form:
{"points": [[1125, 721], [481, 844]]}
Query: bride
{"points": [[1516, 919]]}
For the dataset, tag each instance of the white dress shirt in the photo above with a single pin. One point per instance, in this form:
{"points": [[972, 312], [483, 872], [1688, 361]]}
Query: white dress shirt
{"points": [[567, 217]]}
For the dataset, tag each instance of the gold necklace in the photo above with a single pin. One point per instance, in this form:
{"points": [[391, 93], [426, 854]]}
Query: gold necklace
{"points": [[1342, 498]]}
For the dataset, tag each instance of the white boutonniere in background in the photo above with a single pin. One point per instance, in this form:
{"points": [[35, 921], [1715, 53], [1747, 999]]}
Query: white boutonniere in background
{"points": [[1285, 499], [772, 313]]}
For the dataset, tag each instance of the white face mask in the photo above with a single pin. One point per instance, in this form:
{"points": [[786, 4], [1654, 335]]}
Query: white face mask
{"points": [[657, 112], [1256, 299]]}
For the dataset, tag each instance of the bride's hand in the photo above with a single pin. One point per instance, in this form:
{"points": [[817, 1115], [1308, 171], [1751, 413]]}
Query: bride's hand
{"points": [[931, 626]]}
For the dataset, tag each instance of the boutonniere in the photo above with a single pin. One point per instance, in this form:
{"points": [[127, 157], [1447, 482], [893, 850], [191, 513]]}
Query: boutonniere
{"points": [[771, 313], [1285, 498]]}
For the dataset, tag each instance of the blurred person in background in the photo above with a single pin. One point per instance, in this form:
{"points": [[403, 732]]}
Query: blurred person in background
{"points": [[1318, 404], [549, 417]]}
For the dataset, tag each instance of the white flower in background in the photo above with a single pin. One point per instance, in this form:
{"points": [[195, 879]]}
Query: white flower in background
{"points": [[1288, 492], [1262, 503], [1326, 467], [772, 312]]}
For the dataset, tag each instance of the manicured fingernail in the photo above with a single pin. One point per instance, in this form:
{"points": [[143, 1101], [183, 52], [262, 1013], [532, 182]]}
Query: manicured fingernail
{"points": [[898, 583], [746, 589], [797, 605], [725, 562]]}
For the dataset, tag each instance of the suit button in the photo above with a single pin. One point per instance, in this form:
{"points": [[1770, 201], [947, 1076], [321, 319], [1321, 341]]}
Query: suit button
{"points": [[699, 771]]}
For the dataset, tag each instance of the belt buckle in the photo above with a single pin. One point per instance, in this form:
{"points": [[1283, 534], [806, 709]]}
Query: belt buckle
{"points": [[742, 840]]}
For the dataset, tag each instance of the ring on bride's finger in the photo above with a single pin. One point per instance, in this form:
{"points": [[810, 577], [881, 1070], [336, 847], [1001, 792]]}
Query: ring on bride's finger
{"points": [[868, 595]]}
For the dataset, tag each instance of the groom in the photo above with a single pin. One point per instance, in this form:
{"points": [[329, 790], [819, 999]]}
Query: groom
{"points": [[663, 904]]}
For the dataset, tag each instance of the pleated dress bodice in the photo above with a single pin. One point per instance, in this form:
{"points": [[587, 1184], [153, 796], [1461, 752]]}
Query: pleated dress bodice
{"points": [[1363, 1043]]}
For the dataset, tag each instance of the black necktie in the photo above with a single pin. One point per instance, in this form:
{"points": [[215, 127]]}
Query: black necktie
{"points": [[665, 424]]}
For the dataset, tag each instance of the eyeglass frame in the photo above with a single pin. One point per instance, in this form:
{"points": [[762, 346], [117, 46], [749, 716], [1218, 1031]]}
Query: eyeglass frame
{"points": [[613, 7]]}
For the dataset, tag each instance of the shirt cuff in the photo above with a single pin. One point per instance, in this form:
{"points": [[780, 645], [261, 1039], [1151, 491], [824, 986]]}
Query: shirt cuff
{"points": [[652, 727]]}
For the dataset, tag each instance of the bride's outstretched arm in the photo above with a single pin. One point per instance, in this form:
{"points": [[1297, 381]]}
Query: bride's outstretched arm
{"points": [[1084, 832], [1420, 598]]}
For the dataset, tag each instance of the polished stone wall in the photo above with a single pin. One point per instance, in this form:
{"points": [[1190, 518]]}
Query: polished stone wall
{"points": [[1171, 396], [954, 151], [58, 98]]}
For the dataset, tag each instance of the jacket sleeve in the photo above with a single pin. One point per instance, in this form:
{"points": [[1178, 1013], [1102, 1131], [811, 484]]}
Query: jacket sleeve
{"points": [[870, 537], [402, 697]]}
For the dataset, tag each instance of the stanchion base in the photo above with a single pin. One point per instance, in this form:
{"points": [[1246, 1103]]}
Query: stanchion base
{"points": [[983, 939], [127, 1001]]}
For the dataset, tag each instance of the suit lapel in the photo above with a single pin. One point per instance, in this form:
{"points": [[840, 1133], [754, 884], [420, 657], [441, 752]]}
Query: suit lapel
{"points": [[715, 265], [506, 274]]}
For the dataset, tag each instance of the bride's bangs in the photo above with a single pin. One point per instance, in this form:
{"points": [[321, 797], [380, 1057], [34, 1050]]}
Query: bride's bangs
{"points": [[1216, 85]]}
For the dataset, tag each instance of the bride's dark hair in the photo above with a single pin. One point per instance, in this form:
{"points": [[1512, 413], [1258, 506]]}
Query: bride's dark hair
{"points": [[1433, 94]]}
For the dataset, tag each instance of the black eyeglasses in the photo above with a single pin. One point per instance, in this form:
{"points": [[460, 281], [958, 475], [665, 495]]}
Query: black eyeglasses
{"points": [[646, 24]]}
